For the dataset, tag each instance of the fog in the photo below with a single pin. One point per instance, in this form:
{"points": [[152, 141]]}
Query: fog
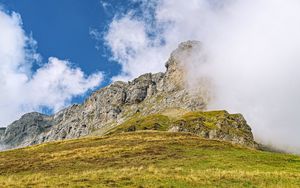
{"points": [[252, 56], [251, 50]]}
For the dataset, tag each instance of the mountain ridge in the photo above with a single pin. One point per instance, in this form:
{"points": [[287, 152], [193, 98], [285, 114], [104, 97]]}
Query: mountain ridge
{"points": [[115, 104]]}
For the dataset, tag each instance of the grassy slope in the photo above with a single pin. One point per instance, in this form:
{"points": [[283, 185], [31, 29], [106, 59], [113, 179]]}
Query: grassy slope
{"points": [[162, 122], [146, 159]]}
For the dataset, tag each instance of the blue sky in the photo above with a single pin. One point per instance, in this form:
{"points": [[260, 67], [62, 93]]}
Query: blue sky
{"points": [[62, 29]]}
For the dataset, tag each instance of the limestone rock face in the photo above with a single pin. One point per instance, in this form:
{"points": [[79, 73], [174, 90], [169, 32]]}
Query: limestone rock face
{"points": [[24, 131], [112, 105], [2, 131]]}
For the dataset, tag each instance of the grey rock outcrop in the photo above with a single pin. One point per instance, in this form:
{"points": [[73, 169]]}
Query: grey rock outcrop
{"points": [[112, 105], [220, 126], [2, 131], [24, 131]]}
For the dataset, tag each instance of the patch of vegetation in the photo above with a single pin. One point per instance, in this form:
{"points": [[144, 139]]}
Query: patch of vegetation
{"points": [[195, 122], [174, 113], [146, 159], [208, 119], [164, 121], [137, 123]]}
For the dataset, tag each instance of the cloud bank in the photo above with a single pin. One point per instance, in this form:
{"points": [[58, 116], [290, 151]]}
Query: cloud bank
{"points": [[252, 49], [22, 89]]}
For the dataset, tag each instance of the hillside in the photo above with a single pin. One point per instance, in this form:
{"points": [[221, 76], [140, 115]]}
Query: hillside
{"points": [[146, 159], [209, 124], [154, 131]]}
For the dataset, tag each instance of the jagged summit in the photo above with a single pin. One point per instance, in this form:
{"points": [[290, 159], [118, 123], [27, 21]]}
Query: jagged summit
{"points": [[109, 107]]}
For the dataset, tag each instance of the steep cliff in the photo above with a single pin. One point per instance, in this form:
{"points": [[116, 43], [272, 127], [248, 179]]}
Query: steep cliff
{"points": [[115, 104]]}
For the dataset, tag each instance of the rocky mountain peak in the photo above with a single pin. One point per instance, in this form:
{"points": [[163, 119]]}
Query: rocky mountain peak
{"points": [[183, 51], [177, 75], [23, 131], [115, 104]]}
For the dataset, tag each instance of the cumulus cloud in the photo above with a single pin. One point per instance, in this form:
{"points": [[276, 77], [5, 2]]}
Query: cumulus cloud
{"points": [[252, 55], [132, 46], [22, 89]]}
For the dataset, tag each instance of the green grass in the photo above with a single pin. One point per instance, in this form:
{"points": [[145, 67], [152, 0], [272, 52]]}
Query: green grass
{"points": [[137, 123], [164, 121], [208, 119], [194, 122], [146, 159]]}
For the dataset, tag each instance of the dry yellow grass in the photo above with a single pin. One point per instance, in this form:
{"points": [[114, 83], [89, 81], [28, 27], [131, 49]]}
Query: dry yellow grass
{"points": [[146, 159]]}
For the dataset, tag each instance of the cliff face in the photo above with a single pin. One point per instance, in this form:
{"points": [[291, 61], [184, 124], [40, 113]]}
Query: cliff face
{"points": [[25, 130], [110, 106], [113, 105], [2, 131]]}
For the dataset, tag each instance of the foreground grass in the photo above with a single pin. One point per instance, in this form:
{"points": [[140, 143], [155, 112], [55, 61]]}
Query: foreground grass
{"points": [[146, 159]]}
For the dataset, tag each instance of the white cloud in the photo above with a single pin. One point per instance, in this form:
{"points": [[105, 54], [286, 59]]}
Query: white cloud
{"points": [[54, 84], [252, 49], [22, 90], [132, 47]]}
